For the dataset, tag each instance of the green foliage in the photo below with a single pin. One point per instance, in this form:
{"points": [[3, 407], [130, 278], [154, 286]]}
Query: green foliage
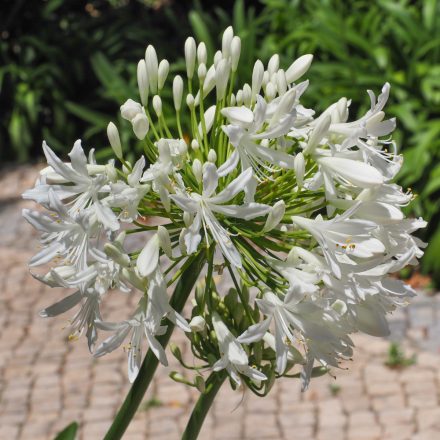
{"points": [[397, 359], [66, 66], [68, 433]]}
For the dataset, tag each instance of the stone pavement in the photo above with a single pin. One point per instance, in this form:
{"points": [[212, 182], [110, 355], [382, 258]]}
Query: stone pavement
{"points": [[47, 382]]}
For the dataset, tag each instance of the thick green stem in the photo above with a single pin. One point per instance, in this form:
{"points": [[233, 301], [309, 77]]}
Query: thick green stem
{"points": [[195, 422], [150, 363]]}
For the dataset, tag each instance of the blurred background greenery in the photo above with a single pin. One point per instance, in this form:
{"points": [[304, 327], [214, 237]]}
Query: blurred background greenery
{"points": [[66, 66]]}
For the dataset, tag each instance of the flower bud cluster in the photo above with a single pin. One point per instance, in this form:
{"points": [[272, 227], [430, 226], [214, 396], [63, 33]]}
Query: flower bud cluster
{"points": [[297, 211]]}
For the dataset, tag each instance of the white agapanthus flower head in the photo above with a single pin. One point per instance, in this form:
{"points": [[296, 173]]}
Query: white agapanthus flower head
{"points": [[241, 185]]}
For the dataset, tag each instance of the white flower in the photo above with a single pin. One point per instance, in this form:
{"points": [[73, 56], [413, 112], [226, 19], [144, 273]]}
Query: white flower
{"points": [[247, 127], [171, 154], [82, 191], [204, 206], [134, 112], [62, 235], [127, 197], [144, 321], [233, 358], [343, 235]]}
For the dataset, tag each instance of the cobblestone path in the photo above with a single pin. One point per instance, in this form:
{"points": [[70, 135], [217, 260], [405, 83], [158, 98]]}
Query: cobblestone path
{"points": [[47, 382]]}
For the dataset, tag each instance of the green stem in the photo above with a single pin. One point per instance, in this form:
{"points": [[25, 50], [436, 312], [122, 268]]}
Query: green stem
{"points": [[150, 363], [204, 402]]}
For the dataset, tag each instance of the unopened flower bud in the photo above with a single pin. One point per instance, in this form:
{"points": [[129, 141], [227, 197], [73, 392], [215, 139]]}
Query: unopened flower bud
{"points": [[115, 141], [177, 92], [190, 56], [221, 78], [257, 79], [202, 54], [271, 91], [281, 82], [300, 168], [298, 68], [130, 109], [320, 130], [200, 383], [341, 113], [201, 72], [197, 170], [157, 105], [116, 255], [276, 214], [152, 67], [265, 79], [164, 68], [247, 95], [239, 98], [195, 144], [190, 101], [235, 53], [228, 35], [175, 350], [209, 83], [142, 80], [273, 64], [212, 156], [140, 125], [197, 324], [164, 240], [209, 120], [217, 58]]}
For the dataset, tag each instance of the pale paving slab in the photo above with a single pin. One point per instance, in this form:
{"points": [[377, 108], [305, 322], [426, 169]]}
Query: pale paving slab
{"points": [[46, 382]]}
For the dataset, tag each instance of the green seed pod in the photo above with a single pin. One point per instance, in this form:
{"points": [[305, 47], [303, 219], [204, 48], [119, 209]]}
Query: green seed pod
{"points": [[200, 384], [175, 350]]}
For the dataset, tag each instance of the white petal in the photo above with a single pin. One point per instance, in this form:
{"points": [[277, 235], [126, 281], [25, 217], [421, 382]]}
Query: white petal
{"points": [[233, 188], [62, 306], [78, 158], [184, 203], [241, 116], [210, 179], [276, 157], [149, 257], [229, 165], [255, 332], [140, 126], [134, 177], [358, 173], [246, 212]]}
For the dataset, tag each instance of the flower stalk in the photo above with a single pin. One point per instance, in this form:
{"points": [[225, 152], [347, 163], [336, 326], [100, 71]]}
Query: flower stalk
{"points": [[137, 391], [203, 404]]}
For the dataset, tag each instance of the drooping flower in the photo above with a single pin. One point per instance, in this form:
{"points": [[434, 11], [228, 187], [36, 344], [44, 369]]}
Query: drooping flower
{"points": [[233, 358]]}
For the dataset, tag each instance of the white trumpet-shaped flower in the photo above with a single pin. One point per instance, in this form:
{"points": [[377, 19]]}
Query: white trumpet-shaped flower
{"points": [[233, 358], [205, 206]]}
